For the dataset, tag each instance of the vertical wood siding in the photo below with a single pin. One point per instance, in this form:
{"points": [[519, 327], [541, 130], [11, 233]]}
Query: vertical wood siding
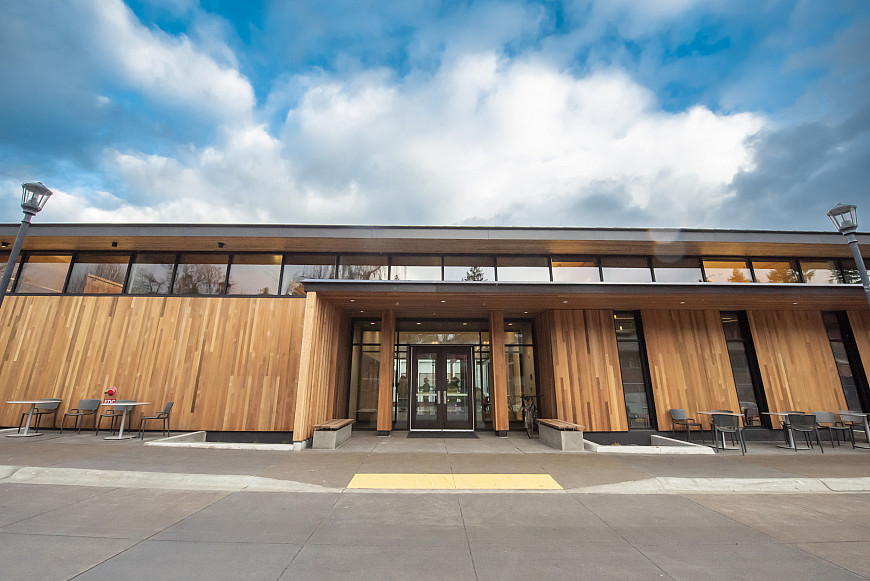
{"points": [[689, 363], [227, 363], [796, 361], [579, 369]]}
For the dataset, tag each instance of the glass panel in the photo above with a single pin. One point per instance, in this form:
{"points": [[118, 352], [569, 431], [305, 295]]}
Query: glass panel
{"points": [[363, 395], [576, 269], [482, 375], [832, 326], [742, 375], [471, 268], [677, 269], [4, 258], [298, 267], [255, 274], [426, 398], [43, 274], [400, 393], [435, 338], [775, 271], [625, 269], [520, 377], [850, 271], [625, 326], [850, 389], [98, 274], [523, 269], [821, 271], [201, 274], [731, 326], [518, 333], [151, 274], [727, 271], [633, 385], [359, 267], [415, 267], [458, 390]]}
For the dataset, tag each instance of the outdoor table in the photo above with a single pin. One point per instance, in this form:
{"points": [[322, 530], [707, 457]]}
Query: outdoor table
{"points": [[121, 435], [790, 445], [27, 433], [721, 414], [866, 425]]}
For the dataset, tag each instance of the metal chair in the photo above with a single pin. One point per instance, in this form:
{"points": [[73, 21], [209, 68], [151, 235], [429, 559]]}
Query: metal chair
{"points": [[749, 410], [828, 421], [805, 424], [164, 415], [727, 424], [87, 407], [679, 417], [854, 420], [42, 409], [117, 411]]}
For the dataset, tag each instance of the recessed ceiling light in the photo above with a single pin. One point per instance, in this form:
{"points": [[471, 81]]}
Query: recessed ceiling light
{"points": [[794, 303], [682, 302], [419, 323], [525, 312], [443, 301], [463, 324], [362, 311], [371, 323], [564, 302], [353, 300]]}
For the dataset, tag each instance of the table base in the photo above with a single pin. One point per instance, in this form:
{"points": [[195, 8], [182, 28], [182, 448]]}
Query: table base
{"points": [[119, 437], [29, 435]]}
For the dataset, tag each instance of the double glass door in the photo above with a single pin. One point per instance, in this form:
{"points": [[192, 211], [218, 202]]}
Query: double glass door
{"points": [[441, 395]]}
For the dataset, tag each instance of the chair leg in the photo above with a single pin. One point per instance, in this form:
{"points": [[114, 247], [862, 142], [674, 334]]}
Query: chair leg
{"points": [[819, 440]]}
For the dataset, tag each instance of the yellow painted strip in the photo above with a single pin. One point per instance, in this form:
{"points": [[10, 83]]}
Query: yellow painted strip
{"points": [[454, 482]]}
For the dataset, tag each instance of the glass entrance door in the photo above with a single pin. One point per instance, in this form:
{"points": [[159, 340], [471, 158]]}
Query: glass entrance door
{"points": [[441, 395]]}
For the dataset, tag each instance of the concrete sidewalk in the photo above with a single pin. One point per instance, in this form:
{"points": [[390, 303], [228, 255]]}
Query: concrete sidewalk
{"points": [[96, 509]]}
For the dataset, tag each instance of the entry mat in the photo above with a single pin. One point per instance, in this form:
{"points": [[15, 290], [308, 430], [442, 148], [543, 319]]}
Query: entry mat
{"points": [[452, 435], [455, 482]]}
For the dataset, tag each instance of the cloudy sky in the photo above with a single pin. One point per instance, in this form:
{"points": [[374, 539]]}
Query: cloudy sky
{"points": [[673, 113]]}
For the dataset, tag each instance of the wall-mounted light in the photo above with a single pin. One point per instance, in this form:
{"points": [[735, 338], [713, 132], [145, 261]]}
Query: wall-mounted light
{"points": [[220, 244], [114, 244], [4, 244]]}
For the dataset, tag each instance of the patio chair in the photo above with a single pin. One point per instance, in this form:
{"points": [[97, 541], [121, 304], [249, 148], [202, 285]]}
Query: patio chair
{"points": [[116, 411], [854, 420], [164, 415], [87, 407], [679, 417], [42, 409], [805, 424], [828, 421], [749, 410], [727, 424]]}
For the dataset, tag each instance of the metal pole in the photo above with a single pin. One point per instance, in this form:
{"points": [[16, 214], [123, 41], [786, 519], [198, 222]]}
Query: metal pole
{"points": [[16, 248], [859, 263]]}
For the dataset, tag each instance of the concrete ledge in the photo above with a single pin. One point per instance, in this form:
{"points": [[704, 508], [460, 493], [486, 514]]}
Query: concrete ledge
{"points": [[197, 440], [565, 440], [331, 439], [659, 445]]}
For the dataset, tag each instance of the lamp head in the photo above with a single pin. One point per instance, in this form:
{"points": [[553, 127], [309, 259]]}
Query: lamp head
{"points": [[844, 217], [33, 197]]}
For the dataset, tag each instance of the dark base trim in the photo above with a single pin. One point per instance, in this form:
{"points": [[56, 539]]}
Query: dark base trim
{"points": [[501, 433], [383, 432]]}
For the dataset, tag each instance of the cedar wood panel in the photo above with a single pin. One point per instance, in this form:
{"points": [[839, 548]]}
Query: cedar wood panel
{"points": [[579, 369], [227, 363], [689, 363], [796, 361]]}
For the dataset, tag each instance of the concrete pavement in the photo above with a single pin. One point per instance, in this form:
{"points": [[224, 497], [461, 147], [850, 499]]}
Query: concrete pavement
{"points": [[85, 508]]}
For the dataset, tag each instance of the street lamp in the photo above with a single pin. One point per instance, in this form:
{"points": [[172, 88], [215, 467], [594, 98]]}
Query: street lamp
{"points": [[33, 199], [845, 218]]}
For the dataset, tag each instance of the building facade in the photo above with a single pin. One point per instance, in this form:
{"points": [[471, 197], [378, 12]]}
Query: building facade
{"points": [[278, 328]]}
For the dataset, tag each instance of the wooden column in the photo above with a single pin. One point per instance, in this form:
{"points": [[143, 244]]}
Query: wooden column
{"points": [[385, 373], [499, 374], [302, 425]]}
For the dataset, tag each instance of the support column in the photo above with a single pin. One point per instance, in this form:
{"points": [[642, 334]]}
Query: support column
{"points": [[499, 374], [385, 372]]}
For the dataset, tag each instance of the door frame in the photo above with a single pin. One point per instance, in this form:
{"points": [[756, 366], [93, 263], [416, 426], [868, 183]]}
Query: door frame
{"points": [[441, 391]]}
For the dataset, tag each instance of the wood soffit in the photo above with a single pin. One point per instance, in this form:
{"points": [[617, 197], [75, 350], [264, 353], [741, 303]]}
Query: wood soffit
{"points": [[447, 240]]}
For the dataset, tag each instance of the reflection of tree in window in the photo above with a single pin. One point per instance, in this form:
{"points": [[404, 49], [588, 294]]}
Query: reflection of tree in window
{"points": [[101, 278], [738, 276], [474, 273], [199, 279], [361, 271], [294, 284], [782, 273], [151, 279]]}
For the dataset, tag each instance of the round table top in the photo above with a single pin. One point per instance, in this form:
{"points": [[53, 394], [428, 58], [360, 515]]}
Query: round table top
{"points": [[127, 403], [32, 400]]}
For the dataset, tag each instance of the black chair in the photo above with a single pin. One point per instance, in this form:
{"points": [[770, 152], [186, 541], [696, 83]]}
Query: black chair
{"points": [[828, 421], [164, 415], [679, 417], [727, 424], [50, 407], [116, 411], [854, 420], [87, 407], [750, 413], [805, 424]]}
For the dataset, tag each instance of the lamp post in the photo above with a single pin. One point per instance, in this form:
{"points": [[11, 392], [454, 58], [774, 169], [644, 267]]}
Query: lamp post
{"points": [[33, 199], [845, 218]]}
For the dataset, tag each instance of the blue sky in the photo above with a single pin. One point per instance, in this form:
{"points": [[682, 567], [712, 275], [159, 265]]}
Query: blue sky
{"points": [[674, 113]]}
